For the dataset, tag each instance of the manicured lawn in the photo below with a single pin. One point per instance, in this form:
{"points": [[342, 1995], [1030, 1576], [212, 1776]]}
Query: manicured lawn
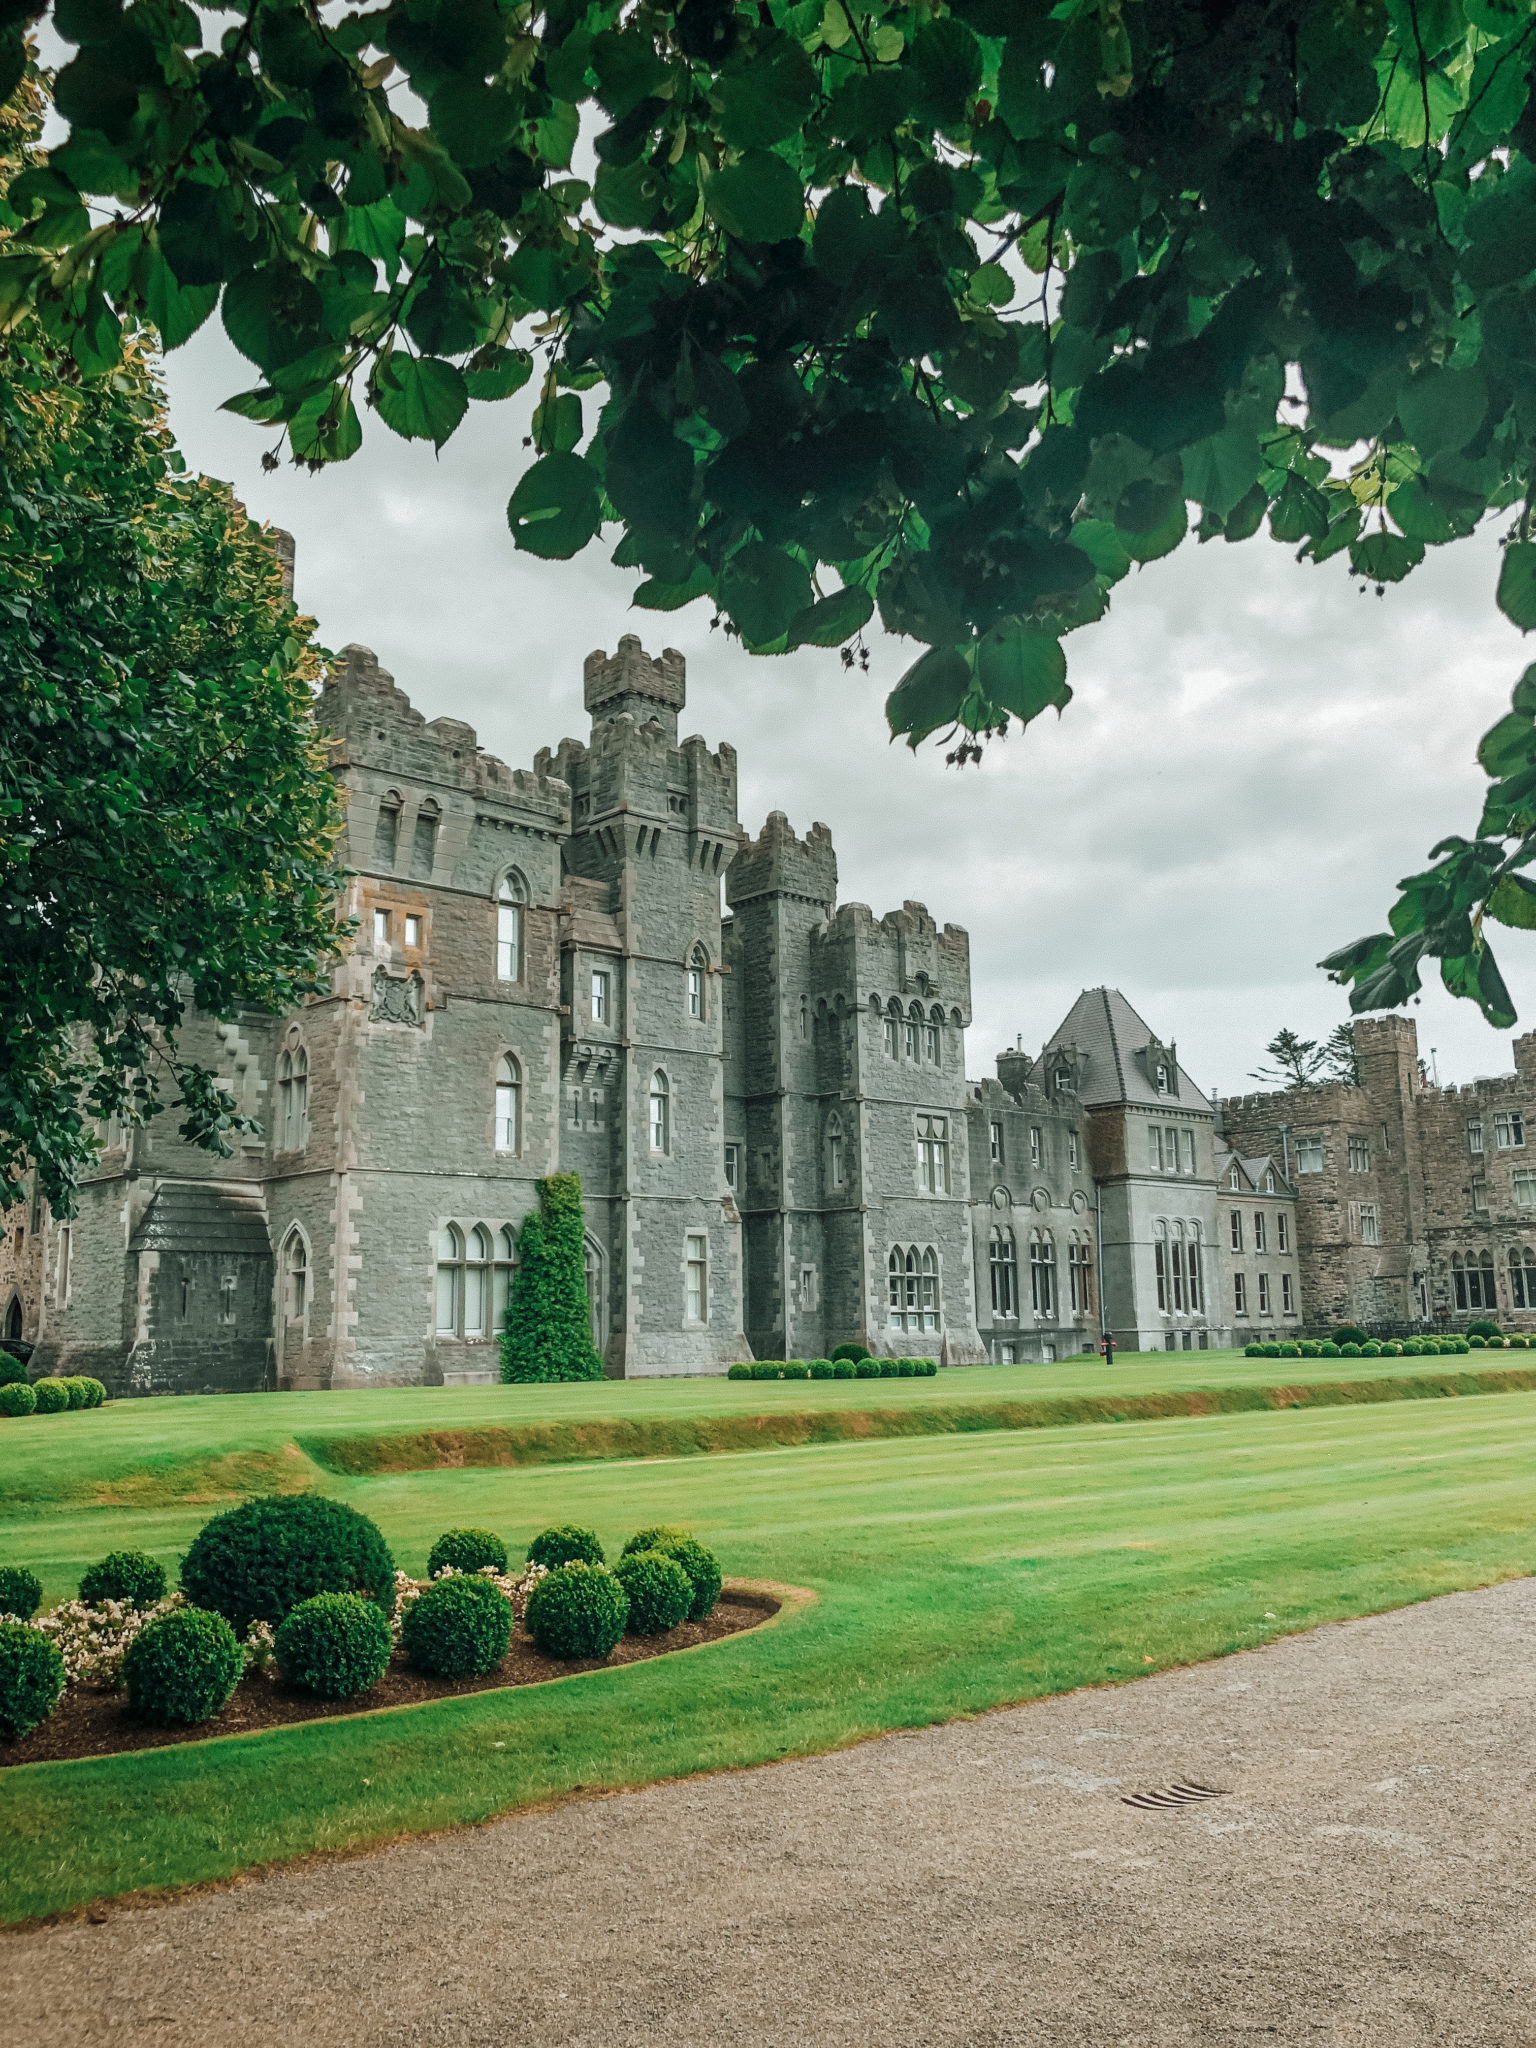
{"points": [[954, 1573]]}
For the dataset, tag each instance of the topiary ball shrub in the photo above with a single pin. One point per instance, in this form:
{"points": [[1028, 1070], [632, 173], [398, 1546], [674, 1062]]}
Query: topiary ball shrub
{"points": [[1290, 1351], [768, 1369], [739, 1372], [843, 1368], [1253, 1351], [182, 1668], [79, 1391], [1328, 1351], [130, 1576], [852, 1352], [796, 1369], [700, 1563], [1349, 1351], [1349, 1333], [12, 1371], [821, 1368], [52, 1396], [336, 1645], [566, 1544], [1477, 1343], [258, 1561], [467, 1550], [31, 1679], [1370, 1350], [930, 1368], [17, 1397], [660, 1592], [866, 1369], [1482, 1327], [1308, 1348], [21, 1591], [657, 1538], [459, 1628], [890, 1368], [97, 1391], [906, 1368], [578, 1611], [1517, 1343]]}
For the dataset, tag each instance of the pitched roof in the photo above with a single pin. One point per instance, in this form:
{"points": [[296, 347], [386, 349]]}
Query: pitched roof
{"points": [[203, 1216], [1102, 1024], [1254, 1169]]}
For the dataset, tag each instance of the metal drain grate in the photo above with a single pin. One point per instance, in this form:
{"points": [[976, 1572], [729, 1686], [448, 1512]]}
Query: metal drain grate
{"points": [[1176, 1794]]}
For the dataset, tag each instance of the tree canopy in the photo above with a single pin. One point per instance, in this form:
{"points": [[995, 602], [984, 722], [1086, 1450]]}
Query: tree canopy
{"points": [[952, 312], [1305, 1062], [167, 818]]}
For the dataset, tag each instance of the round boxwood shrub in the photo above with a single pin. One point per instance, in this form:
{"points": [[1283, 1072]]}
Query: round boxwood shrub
{"points": [[906, 1369], [929, 1368], [566, 1544], [52, 1396], [79, 1391], [768, 1369], [796, 1369], [17, 1397], [335, 1645], [866, 1369], [852, 1352], [12, 1371], [1348, 1333], [183, 1667], [821, 1368], [739, 1372], [1253, 1351], [1328, 1351], [1290, 1351], [96, 1390], [1477, 1343], [459, 1628], [1372, 1350], [21, 1591], [31, 1679], [656, 1538], [1349, 1351], [890, 1368], [844, 1368], [1308, 1348], [259, 1560], [127, 1575], [467, 1550], [578, 1611], [700, 1563], [1483, 1327], [660, 1591], [1517, 1342]]}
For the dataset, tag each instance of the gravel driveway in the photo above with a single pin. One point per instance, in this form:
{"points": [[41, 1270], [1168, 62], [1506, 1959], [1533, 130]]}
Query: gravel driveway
{"points": [[1366, 1879]]}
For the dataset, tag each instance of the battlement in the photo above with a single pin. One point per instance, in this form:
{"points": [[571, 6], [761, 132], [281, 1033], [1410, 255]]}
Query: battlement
{"points": [[777, 863], [634, 682], [378, 728], [357, 680]]}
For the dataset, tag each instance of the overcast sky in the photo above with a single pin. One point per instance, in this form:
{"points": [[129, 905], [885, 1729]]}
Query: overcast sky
{"points": [[1255, 754]]}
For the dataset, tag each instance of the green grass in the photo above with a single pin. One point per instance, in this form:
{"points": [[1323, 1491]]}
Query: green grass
{"points": [[954, 1573]]}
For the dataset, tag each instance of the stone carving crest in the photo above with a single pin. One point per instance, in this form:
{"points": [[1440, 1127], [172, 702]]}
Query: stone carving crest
{"points": [[397, 998]]}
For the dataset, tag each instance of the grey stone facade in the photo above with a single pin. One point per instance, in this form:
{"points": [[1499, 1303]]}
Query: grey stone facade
{"points": [[582, 966]]}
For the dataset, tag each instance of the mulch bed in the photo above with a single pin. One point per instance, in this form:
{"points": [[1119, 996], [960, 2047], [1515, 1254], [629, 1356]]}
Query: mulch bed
{"points": [[88, 1723]]}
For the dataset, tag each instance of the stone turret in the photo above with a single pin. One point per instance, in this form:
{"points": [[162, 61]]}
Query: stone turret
{"points": [[632, 683], [777, 863]]}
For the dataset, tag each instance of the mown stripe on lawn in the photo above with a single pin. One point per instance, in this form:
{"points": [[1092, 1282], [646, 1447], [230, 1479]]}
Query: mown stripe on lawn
{"points": [[428, 1450]]}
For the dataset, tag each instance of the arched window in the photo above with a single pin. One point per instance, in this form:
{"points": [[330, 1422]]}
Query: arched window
{"points": [[910, 1029], [510, 897], [450, 1279], [933, 1038], [501, 1277], [509, 1105], [930, 1289], [424, 841], [698, 967], [283, 1122], [661, 1113], [386, 831], [1160, 1265], [1177, 1249], [892, 1029], [1234, 1180], [592, 1261], [1196, 1278], [293, 1100], [834, 1151], [1472, 1277], [295, 1278], [1080, 1275], [477, 1282], [1003, 1259], [1522, 1277], [1269, 1183], [902, 1270], [1042, 1273], [13, 1319]]}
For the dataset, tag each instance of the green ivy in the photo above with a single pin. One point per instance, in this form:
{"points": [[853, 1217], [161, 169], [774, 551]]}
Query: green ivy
{"points": [[549, 1320]]}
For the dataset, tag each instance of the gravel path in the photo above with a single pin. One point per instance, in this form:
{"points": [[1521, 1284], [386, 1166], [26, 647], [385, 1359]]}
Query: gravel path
{"points": [[1367, 1879]]}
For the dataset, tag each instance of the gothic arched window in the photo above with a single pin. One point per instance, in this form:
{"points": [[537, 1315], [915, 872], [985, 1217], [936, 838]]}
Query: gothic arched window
{"points": [[1003, 1261], [510, 897], [450, 1279], [501, 1277], [477, 1281], [698, 967], [1042, 1273], [509, 1101], [661, 1113], [295, 1277]]}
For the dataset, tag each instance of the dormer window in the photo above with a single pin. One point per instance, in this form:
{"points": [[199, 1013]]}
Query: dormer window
{"points": [[1161, 1077], [1064, 1081], [1234, 1180]]}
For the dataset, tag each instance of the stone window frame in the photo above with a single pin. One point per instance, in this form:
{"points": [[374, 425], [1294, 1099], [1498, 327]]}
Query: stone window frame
{"points": [[1239, 1294], [480, 1268], [933, 1037], [511, 900], [1043, 1286], [732, 1165], [932, 1133], [911, 1033], [1235, 1230], [1474, 1273], [291, 1271], [696, 986], [1359, 1152], [659, 1123], [1266, 1299], [914, 1288], [1003, 1271], [1310, 1157], [696, 1263], [290, 1130], [1287, 1295], [995, 1140], [1511, 1137], [1080, 1272], [386, 842], [426, 835], [1522, 1276], [837, 1156], [508, 1080]]}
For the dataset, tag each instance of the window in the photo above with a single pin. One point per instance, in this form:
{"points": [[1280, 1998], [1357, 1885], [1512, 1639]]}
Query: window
{"points": [[1309, 1155], [661, 1113], [1002, 1260], [386, 830], [1475, 1135], [1239, 1294], [61, 1281], [509, 1104], [929, 1295], [1269, 1183], [1524, 1183], [1186, 1151], [477, 1281], [1042, 1273], [1509, 1131], [1235, 1229], [295, 1279], [913, 1279], [1522, 1277], [509, 930], [1072, 1153], [1235, 1181], [1176, 1248], [381, 927], [696, 989], [1079, 1275], [227, 1287], [1287, 1295], [1007, 1354], [995, 1135], [599, 997], [450, 1279], [502, 1272], [1155, 1148], [1065, 1085], [1162, 1080], [909, 1038], [805, 1014], [1282, 1231], [1160, 1266], [1370, 1224], [293, 1100], [1480, 1195], [933, 1154], [1264, 1307], [1196, 1276], [1034, 1144], [733, 1166], [1472, 1279], [1359, 1155], [696, 1278], [1259, 1231], [834, 1152], [890, 1036], [931, 1043]]}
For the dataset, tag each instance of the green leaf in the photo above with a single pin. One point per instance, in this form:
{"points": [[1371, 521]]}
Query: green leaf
{"points": [[498, 373], [1385, 557], [557, 423], [1517, 584], [768, 98], [419, 397], [1162, 538], [556, 508], [931, 694], [1022, 671], [833, 619], [1442, 409], [1300, 512], [1220, 471], [177, 311], [758, 198], [326, 427], [991, 285], [473, 121], [657, 596], [1513, 902], [762, 589]]}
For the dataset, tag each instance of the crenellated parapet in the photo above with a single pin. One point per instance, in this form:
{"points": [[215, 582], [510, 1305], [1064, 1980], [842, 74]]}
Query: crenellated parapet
{"points": [[630, 682], [778, 863]]}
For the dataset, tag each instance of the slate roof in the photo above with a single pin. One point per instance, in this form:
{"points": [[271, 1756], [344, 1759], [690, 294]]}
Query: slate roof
{"points": [[203, 1216], [1102, 1024], [1254, 1169]]}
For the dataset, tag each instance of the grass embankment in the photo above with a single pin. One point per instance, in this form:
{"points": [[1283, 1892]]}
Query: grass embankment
{"points": [[156, 1453], [955, 1573]]}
